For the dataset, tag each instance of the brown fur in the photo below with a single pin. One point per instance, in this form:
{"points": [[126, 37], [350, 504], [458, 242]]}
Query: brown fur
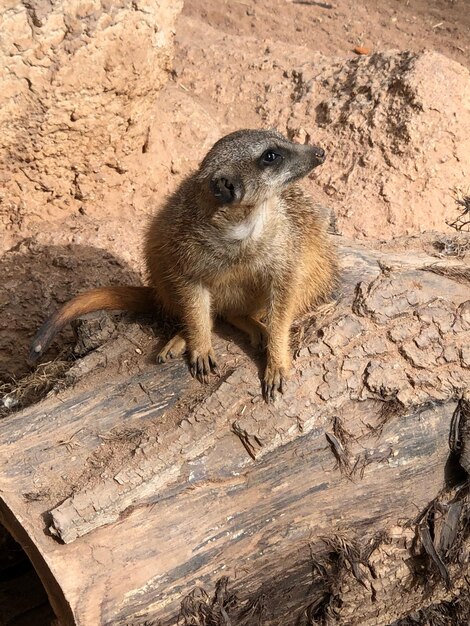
{"points": [[237, 240], [136, 299]]}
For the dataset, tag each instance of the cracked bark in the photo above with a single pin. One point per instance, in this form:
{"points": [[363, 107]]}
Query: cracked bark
{"points": [[129, 494]]}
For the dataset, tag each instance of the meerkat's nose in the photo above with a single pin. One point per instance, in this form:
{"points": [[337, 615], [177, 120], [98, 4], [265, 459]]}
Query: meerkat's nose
{"points": [[319, 153]]}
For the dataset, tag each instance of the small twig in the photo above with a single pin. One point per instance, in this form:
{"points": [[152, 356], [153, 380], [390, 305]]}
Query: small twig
{"points": [[68, 443], [338, 452], [428, 545], [462, 222], [245, 439], [322, 5]]}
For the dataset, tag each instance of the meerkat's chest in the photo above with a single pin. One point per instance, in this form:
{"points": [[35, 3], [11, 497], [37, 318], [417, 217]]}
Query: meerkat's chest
{"points": [[250, 228], [240, 290], [254, 226]]}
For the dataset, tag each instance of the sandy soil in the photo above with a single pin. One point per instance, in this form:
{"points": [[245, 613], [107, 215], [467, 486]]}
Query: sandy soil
{"points": [[441, 25]]}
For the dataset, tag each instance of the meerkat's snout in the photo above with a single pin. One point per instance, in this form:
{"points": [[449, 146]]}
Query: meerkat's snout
{"points": [[301, 159], [314, 154], [319, 154]]}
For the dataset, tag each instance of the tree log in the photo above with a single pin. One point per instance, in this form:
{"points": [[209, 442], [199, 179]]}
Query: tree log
{"points": [[134, 485]]}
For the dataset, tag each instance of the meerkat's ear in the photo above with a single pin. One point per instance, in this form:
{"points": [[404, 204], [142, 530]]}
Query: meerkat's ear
{"points": [[227, 189]]}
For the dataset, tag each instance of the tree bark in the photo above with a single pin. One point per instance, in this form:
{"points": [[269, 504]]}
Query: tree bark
{"points": [[135, 485]]}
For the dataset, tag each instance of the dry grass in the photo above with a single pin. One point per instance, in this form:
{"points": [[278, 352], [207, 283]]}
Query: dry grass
{"points": [[21, 393], [305, 329], [454, 613], [460, 274], [462, 200]]}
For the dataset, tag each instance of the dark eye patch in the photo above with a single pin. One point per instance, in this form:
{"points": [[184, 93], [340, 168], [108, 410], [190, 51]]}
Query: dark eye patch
{"points": [[271, 156]]}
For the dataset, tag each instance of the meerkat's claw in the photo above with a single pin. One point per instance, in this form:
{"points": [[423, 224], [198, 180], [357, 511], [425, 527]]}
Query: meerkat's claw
{"points": [[175, 347], [202, 365], [214, 367], [273, 382]]}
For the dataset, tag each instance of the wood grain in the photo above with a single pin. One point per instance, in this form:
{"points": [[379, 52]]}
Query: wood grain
{"points": [[128, 490]]}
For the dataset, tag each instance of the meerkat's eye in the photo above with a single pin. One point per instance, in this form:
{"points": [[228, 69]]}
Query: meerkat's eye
{"points": [[270, 156]]}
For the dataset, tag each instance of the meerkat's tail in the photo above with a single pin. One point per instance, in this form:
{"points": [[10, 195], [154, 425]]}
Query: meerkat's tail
{"points": [[134, 299]]}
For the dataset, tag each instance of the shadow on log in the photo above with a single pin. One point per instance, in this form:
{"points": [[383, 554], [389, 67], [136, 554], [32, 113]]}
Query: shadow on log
{"points": [[135, 485]]}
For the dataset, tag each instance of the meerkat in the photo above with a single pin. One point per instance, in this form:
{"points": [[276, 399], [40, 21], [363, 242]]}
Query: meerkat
{"points": [[238, 240]]}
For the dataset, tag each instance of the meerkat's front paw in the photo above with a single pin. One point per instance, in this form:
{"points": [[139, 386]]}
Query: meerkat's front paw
{"points": [[201, 364], [175, 347], [273, 381]]}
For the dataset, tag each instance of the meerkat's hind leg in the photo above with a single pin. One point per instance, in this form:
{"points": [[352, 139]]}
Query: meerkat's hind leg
{"points": [[173, 348], [255, 330]]}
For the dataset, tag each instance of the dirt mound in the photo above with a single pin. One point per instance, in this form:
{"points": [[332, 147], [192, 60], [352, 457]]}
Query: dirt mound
{"points": [[76, 100], [89, 134], [398, 130], [396, 125]]}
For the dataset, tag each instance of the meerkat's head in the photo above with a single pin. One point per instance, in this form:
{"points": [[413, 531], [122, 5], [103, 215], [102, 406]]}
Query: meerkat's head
{"points": [[249, 166]]}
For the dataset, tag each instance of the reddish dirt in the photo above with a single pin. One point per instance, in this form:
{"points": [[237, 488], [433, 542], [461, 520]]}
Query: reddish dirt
{"points": [[442, 25], [395, 124]]}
